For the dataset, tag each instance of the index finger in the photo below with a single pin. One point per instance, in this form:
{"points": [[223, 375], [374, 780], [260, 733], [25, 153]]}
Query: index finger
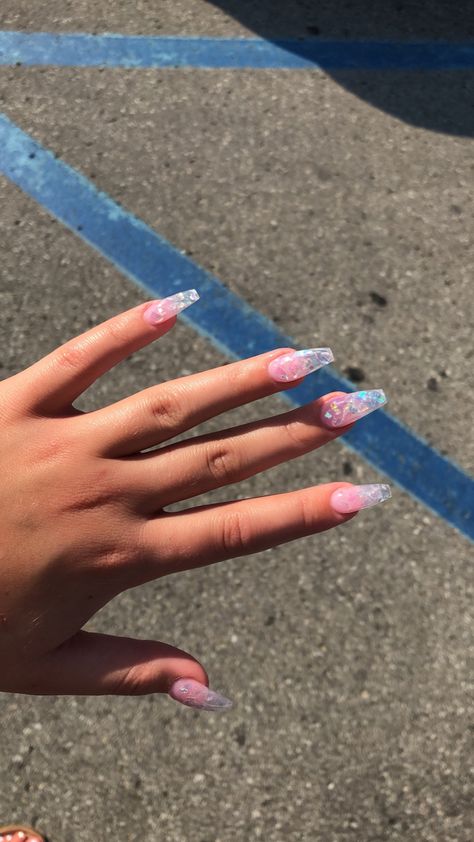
{"points": [[55, 381]]}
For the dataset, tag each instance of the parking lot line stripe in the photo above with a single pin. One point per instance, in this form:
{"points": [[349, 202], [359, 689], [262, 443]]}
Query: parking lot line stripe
{"points": [[224, 318], [111, 50]]}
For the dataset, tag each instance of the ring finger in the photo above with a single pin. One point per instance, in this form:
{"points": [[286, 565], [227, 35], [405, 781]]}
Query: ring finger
{"points": [[210, 461]]}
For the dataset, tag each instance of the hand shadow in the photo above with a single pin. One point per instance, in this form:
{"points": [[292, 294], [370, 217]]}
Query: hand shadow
{"points": [[438, 100]]}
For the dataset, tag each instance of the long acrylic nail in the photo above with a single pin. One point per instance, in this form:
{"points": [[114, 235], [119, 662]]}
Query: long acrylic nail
{"points": [[355, 497], [298, 364], [337, 412], [195, 695], [165, 308]]}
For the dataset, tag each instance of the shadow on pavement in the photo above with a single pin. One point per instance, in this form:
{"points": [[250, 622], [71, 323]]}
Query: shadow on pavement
{"points": [[442, 101]]}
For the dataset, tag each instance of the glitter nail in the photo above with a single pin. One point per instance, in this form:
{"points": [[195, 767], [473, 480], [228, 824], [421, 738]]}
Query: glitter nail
{"points": [[342, 410], [165, 308], [298, 364], [355, 497], [192, 693]]}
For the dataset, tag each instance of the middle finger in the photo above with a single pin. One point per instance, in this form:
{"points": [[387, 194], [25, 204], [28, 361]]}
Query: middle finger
{"points": [[162, 412], [204, 463]]}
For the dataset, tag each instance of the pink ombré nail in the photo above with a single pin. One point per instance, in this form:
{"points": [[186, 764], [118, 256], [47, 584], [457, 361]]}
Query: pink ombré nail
{"points": [[355, 497], [165, 308], [342, 410], [195, 695], [298, 364]]}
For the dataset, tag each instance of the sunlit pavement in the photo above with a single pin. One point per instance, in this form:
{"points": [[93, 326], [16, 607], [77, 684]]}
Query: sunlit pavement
{"points": [[337, 205]]}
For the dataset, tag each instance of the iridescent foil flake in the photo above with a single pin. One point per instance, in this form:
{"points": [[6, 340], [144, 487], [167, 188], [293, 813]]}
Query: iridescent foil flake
{"points": [[340, 411]]}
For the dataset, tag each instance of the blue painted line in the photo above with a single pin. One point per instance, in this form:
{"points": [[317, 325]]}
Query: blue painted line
{"points": [[110, 50], [224, 318]]}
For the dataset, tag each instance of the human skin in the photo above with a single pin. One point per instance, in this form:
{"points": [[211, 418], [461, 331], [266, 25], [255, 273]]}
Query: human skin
{"points": [[84, 510]]}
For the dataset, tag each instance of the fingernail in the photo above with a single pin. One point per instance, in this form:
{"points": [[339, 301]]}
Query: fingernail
{"points": [[163, 309], [298, 364], [355, 497], [337, 412], [196, 695]]}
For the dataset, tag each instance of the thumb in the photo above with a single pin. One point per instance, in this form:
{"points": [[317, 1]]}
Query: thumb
{"points": [[100, 664]]}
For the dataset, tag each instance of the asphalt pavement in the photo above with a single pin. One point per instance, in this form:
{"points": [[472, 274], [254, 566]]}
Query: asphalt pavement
{"points": [[339, 205]]}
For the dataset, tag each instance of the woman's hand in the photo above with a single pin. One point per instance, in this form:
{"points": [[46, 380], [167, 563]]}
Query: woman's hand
{"points": [[84, 510]]}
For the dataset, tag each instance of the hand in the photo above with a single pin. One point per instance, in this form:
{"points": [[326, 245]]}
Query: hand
{"points": [[84, 510]]}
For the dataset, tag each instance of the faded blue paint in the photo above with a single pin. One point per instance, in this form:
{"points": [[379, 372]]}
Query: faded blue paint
{"points": [[111, 50], [225, 319]]}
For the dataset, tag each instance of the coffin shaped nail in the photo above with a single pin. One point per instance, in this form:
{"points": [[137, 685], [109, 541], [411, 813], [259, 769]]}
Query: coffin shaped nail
{"points": [[165, 308], [195, 695], [298, 364], [355, 497], [342, 410]]}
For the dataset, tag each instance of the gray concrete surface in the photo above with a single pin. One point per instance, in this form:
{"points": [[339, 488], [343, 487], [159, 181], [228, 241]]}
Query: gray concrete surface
{"points": [[351, 18], [347, 653]]}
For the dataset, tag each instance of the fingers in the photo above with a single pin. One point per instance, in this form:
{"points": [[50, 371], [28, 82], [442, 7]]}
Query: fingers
{"points": [[98, 664], [207, 462], [54, 382], [164, 411], [93, 664], [208, 534]]}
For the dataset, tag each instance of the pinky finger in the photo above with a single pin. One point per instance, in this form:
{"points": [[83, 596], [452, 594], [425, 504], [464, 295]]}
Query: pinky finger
{"points": [[208, 534]]}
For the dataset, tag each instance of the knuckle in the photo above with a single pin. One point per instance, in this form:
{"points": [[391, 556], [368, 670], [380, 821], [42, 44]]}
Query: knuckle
{"points": [[53, 450], [131, 681], [121, 329], [298, 434], [118, 559], [96, 491], [76, 354], [52, 442], [222, 462], [307, 512], [235, 533], [237, 375], [166, 411], [72, 356]]}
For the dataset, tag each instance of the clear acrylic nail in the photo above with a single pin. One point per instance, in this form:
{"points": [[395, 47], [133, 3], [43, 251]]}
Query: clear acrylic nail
{"points": [[296, 364], [165, 308], [342, 410], [355, 497], [192, 693]]}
